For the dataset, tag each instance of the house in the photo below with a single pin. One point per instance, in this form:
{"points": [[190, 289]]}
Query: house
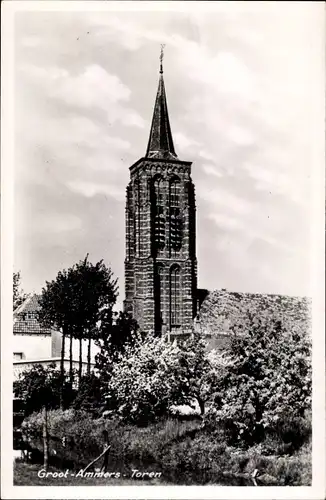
{"points": [[35, 344]]}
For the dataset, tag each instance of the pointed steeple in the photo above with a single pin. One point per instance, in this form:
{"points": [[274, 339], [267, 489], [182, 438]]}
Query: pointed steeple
{"points": [[160, 144]]}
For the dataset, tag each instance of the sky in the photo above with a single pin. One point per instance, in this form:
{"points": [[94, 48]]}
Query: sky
{"points": [[241, 85]]}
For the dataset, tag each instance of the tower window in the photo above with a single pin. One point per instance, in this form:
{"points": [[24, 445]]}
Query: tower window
{"points": [[175, 296], [159, 227], [175, 189], [159, 215], [175, 215], [137, 216], [158, 188], [158, 296], [175, 229]]}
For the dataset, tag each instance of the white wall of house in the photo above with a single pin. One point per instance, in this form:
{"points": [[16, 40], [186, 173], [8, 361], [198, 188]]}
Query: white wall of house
{"points": [[40, 346], [22, 366], [75, 350], [32, 346]]}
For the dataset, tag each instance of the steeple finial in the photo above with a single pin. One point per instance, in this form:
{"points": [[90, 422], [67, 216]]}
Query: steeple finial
{"points": [[161, 57]]}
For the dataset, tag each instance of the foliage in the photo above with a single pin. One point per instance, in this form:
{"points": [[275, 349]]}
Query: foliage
{"points": [[77, 297], [185, 452], [95, 291], [115, 333], [198, 371], [268, 382], [143, 381], [18, 294], [153, 375], [74, 302], [40, 386], [90, 394]]}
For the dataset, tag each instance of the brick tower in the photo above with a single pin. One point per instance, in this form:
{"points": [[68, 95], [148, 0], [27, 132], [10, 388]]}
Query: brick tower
{"points": [[160, 264]]}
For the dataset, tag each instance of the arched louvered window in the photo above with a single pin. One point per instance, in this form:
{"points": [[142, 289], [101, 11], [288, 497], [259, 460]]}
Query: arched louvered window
{"points": [[137, 215], [159, 216], [158, 188], [175, 215], [158, 297], [130, 242], [175, 296], [175, 189]]}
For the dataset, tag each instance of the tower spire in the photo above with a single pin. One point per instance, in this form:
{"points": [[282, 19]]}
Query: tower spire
{"points": [[160, 144]]}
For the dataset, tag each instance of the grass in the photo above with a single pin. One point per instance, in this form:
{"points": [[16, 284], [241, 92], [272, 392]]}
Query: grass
{"points": [[27, 475], [185, 452]]}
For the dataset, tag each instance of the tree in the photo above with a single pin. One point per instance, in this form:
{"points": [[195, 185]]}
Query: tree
{"points": [[116, 331], [141, 383], [153, 374], [18, 294], [57, 310], [40, 387], [268, 381], [90, 394], [95, 296], [74, 302], [198, 371]]}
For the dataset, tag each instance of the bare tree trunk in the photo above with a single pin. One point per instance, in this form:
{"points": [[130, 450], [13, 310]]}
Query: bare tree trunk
{"points": [[70, 361], [89, 355], [45, 439], [80, 359], [62, 367], [201, 405]]}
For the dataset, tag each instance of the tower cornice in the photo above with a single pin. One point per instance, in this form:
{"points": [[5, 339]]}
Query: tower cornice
{"points": [[165, 161]]}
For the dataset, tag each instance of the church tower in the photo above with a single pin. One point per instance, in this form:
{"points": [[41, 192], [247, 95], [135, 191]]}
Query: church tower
{"points": [[160, 264]]}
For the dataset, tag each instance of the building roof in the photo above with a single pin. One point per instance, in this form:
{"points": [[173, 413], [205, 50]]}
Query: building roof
{"points": [[26, 318], [222, 309], [160, 144]]}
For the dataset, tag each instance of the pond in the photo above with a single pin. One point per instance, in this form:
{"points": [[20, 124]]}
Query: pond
{"points": [[62, 457]]}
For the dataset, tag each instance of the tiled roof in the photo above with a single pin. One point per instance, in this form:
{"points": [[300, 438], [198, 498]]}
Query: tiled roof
{"points": [[222, 309], [26, 318]]}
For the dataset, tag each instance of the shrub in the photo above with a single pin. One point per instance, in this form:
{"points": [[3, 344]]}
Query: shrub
{"points": [[268, 383], [41, 386], [90, 394], [183, 450], [154, 375]]}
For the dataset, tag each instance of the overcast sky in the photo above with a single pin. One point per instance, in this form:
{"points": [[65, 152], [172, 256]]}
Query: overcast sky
{"points": [[241, 85]]}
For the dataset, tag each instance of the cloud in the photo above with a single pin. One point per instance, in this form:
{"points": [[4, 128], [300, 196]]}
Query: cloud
{"points": [[93, 87], [90, 189], [116, 30], [184, 143], [55, 223], [31, 41], [241, 94], [218, 197], [225, 221], [210, 169]]}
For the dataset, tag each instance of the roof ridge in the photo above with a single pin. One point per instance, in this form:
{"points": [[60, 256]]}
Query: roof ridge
{"points": [[26, 301]]}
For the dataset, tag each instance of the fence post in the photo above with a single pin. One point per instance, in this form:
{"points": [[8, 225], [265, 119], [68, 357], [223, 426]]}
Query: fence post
{"points": [[45, 439]]}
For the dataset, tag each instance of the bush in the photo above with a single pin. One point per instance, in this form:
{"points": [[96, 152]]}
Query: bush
{"points": [[41, 386], [155, 375], [90, 395], [183, 450], [267, 385]]}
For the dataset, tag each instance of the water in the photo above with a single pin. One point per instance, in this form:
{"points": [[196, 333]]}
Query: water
{"points": [[63, 458]]}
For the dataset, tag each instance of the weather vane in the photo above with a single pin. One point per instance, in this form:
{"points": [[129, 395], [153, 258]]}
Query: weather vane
{"points": [[161, 57]]}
